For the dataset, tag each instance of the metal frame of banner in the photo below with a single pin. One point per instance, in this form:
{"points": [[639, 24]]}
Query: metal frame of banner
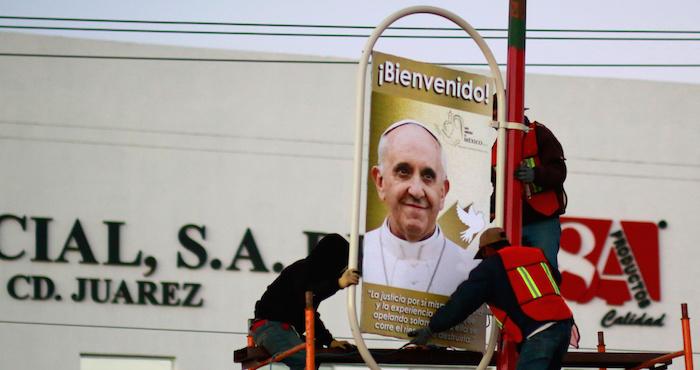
{"points": [[357, 168]]}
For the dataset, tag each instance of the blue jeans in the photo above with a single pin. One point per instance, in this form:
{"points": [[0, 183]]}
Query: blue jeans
{"points": [[545, 235], [545, 350], [276, 339]]}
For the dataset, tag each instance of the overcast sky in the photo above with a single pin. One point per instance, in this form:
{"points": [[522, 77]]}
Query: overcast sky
{"points": [[638, 15]]}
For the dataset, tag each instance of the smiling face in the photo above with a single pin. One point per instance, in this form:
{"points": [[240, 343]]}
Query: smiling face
{"points": [[411, 180]]}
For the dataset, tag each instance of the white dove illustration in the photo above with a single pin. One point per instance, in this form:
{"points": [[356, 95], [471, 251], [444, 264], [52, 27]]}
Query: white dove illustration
{"points": [[474, 222]]}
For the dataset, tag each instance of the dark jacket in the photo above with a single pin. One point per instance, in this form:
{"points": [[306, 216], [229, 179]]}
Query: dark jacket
{"points": [[550, 174], [285, 299]]}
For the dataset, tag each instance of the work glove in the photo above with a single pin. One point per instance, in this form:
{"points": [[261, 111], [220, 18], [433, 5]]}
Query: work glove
{"points": [[525, 174], [349, 277], [421, 336], [341, 344]]}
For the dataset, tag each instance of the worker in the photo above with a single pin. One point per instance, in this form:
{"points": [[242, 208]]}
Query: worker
{"points": [[519, 286], [542, 173], [280, 314]]}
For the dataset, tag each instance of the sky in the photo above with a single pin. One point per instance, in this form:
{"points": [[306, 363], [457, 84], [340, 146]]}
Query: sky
{"points": [[617, 15]]}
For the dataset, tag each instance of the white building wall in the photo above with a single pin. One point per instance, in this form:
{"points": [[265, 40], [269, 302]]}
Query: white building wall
{"points": [[267, 147]]}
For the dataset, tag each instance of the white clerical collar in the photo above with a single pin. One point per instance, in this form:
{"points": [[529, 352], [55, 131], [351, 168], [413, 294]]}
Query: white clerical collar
{"points": [[426, 249]]}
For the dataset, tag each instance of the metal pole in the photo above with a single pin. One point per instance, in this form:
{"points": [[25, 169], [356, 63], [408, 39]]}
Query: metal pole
{"points": [[515, 96], [515, 92], [687, 345], [310, 332], [661, 359], [601, 345]]}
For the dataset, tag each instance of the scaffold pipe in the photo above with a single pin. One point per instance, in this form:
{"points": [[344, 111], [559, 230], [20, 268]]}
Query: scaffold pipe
{"points": [[310, 332], [687, 345], [601, 345], [664, 358], [687, 351]]}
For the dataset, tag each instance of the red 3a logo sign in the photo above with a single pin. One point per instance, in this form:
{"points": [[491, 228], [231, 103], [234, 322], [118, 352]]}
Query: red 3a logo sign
{"points": [[614, 261]]}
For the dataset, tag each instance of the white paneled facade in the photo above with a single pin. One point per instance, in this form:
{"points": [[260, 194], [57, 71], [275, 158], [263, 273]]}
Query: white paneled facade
{"points": [[146, 204]]}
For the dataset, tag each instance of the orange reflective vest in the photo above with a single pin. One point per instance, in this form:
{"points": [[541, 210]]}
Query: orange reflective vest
{"points": [[535, 289]]}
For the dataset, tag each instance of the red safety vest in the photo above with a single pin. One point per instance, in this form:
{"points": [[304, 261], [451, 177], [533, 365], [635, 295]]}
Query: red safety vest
{"points": [[535, 289], [543, 201]]}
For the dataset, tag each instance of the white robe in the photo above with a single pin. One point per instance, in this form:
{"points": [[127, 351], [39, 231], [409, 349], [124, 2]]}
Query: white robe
{"points": [[434, 265]]}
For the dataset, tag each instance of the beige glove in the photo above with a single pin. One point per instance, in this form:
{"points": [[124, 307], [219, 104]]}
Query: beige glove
{"points": [[341, 344], [349, 277]]}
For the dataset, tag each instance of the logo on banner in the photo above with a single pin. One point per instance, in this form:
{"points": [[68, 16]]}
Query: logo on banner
{"points": [[454, 131], [614, 261]]}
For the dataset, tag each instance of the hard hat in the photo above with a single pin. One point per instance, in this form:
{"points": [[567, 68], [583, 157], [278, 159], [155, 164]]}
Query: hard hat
{"points": [[488, 237]]}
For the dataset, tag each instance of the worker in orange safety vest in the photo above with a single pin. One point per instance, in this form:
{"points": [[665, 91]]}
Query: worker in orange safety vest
{"points": [[542, 172], [520, 288]]}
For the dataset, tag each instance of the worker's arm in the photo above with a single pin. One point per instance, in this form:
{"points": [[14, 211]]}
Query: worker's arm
{"points": [[349, 277], [468, 297]]}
